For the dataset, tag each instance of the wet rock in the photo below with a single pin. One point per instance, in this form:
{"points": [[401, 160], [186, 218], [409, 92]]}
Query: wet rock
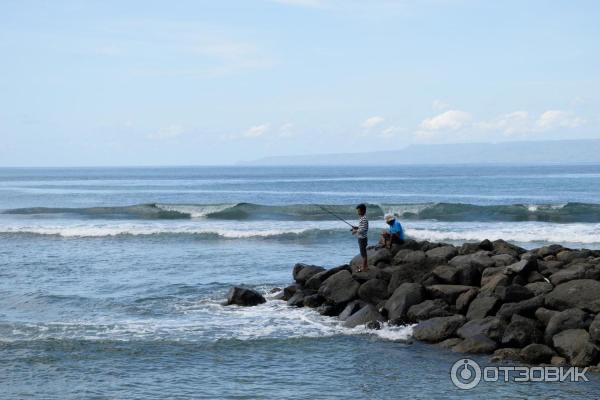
{"points": [[482, 307], [595, 329], [303, 272], [506, 353], [525, 308], [374, 291], [572, 318], [313, 300], [558, 361], [244, 297], [491, 327], [537, 353], [521, 331], [575, 346], [405, 296], [449, 343], [330, 310], [428, 309], [315, 281], [339, 288], [438, 329], [289, 291], [478, 344], [351, 308], [448, 293], [374, 325], [363, 316], [580, 293]]}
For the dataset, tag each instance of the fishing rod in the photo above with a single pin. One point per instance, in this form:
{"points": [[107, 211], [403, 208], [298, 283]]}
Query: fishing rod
{"points": [[335, 215]]}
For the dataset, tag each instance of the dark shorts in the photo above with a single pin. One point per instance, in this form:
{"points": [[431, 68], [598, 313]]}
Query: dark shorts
{"points": [[362, 246]]}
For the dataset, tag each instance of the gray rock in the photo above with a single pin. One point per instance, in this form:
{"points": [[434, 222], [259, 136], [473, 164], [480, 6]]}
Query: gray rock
{"points": [[405, 296], [445, 273], [478, 344], [464, 300], [363, 316], [537, 353], [491, 327], [494, 281], [313, 300], [538, 288], [482, 307], [468, 275], [535, 276], [289, 291], [374, 291], [572, 318], [329, 310], [438, 329], [522, 266], [568, 256], [380, 255], [579, 293], [315, 281], [351, 308], [575, 346], [512, 293], [448, 293], [525, 308], [521, 331], [410, 257], [339, 288], [595, 329], [449, 343], [441, 254], [244, 297], [572, 272], [503, 247], [544, 315], [428, 309], [481, 260], [502, 260], [411, 273], [489, 273], [506, 353], [303, 272]]}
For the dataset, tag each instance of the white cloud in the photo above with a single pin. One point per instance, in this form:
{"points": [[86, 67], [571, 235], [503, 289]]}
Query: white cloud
{"points": [[509, 124], [170, 132], [439, 105], [555, 119], [256, 131], [450, 120], [286, 130], [372, 122]]}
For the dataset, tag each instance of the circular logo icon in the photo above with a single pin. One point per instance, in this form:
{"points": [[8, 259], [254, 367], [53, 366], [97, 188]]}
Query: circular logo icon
{"points": [[465, 374]]}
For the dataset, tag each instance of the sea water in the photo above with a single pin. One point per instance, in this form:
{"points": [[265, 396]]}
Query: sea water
{"points": [[112, 279]]}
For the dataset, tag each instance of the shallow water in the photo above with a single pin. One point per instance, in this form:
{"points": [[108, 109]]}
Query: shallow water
{"points": [[121, 304]]}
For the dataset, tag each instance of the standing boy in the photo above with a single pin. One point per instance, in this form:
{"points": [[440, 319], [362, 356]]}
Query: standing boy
{"points": [[361, 233]]}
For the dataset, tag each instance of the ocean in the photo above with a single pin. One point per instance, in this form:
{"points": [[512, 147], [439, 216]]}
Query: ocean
{"points": [[112, 279]]}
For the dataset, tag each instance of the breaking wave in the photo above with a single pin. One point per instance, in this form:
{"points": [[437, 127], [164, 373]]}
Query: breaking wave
{"points": [[561, 213]]}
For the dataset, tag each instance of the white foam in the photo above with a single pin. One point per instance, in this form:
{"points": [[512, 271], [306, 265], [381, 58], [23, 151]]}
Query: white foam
{"points": [[195, 211]]}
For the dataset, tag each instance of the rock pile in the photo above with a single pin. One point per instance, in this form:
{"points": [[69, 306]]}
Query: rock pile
{"points": [[538, 306]]}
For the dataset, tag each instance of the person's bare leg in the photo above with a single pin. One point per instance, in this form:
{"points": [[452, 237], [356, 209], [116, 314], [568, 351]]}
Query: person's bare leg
{"points": [[365, 266]]}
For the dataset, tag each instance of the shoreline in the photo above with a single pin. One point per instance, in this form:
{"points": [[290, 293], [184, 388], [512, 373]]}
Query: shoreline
{"points": [[538, 306]]}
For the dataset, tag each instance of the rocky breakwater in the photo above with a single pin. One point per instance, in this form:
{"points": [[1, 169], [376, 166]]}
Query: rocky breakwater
{"points": [[536, 306]]}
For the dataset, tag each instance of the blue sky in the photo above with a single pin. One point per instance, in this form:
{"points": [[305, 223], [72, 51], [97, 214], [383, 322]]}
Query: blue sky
{"points": [[214, 82]]}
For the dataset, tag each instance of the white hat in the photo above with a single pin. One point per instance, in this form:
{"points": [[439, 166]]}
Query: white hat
{"points": [[389, 217]]}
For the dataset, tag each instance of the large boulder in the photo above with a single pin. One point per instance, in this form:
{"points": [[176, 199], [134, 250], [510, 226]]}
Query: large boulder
{"points": [[537, 353], [351, 308], [382, 255], [463, 301], [522, 266], [407, 256], [315, 281], [428, 309], [595, 329], [579, 293], [520, 332], [538, 288], [544, 315], [339, 288], [572, 318], [568, 256], [479, 344], [303, 272], [525, 308], [572, 272], [575, 346], [503, 247], [481, 260], [491, 327], [363, 316], [412, 273], [448, 293], [374, 291], [441, 254], [313, 300], [512, 293], [502, 260], [494, 281], [438, 329], [445, 273], [405, 296], [244, 297], [482, 307]]}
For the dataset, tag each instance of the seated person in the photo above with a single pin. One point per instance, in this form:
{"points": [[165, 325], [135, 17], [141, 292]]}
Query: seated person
{"points": [[394, 234]]}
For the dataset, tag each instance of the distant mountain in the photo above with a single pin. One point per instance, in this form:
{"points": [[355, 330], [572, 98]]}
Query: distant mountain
{"points": [[531, 152]]}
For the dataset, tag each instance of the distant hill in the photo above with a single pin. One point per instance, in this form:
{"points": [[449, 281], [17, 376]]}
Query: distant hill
{"points": [[531, 152]]}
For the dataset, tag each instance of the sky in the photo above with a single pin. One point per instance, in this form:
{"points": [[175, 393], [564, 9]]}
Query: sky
{"points": [[114, 83]]}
